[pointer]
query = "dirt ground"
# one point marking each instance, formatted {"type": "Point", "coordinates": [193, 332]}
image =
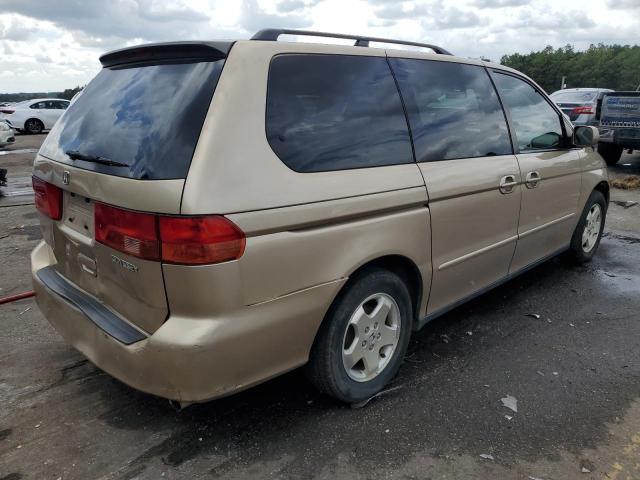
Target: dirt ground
{"type": "Point", "coordinates": [575, 372]}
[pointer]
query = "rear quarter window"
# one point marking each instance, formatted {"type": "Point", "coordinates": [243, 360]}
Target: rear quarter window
{"type": "Point", "coordinates": [335, 112]}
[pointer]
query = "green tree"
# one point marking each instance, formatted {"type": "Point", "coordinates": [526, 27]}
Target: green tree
{"type": "Point", "coordinates": [600, 66]}
{"type": "Point", "coordinates": [70, 92]}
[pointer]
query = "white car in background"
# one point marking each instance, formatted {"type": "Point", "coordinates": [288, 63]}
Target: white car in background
{"type": "Point", "coordinates": [34, 116]}
{"type": "Point", "coordinates": [6, 134]}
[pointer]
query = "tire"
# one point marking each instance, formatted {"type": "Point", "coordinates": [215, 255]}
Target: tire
{"type": "Point", "coordinates": [33, 126]}
{"type": "Point", "coordinates": [352, 328]}
{"type": "Point", "coordinates": [610, 152]}
{"type": "Point", "coordinates": [582, 251]}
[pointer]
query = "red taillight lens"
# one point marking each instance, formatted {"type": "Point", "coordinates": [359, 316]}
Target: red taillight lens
{"type": "Point", "coordinates": [200, 240]}
{"type": "Point", "coordinates": [181, 240]}
{"type": "Point", "coordinates": [48, 198]}
{"type": "Point", "coordinates": [580, 110]}
{"type": "Point", "coordinates": [126, 231]}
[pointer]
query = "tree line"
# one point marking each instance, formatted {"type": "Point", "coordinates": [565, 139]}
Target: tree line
{"type": "Point", "coordinates": [600, 66]}
{"type": "Point", "coordinates": [19, 97]}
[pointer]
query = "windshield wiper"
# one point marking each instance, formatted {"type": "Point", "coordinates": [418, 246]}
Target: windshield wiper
{"type": "Point", "coordinates": [76, 155]}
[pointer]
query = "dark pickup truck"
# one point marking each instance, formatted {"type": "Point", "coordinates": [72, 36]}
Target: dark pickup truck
{"type": "Point", "coordinates": [619, 124]}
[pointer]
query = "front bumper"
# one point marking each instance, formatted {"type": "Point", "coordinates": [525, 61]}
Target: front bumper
{"type": "Point", "coordinates": [194, 359]}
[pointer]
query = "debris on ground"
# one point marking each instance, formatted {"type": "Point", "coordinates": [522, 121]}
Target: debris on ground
{"type": "Point", "coordinates": [625, 204]}
{"type": "Point", "coordinates": [586, 466]}
{"type": "Point", "coordinates": [613, 275]}
{"type": "Point", "coordinates": [508, 417]}
{"type": "Point", "coordinates": [626, 183]}
{"type": "Point", "coordinates": [486, 456]}
{"type": "Point", "coordinates": [379, 394]}
{"type": "Point", "coordinates": [510, 402]}
{"type": "Point", "coordinates": [469, 333]}
{"type": "Point", "coordinates": [533, 315]}
{"type": "Point", "coordinates": [540, 373]}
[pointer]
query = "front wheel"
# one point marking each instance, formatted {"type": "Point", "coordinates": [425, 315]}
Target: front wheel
{"type": "Point", "coordinates": [588, 232]}
{"type": "Point", "coordinates": [363, 338]}
{"type": "Point", "coordinates": [610, 152]}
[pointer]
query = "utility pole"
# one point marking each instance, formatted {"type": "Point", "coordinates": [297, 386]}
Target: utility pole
{"type": "Point", "coordinates": [563, 85]}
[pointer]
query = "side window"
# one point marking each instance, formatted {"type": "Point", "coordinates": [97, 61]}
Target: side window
{"type": "Point", "coordinates": [453, 110]}
{"type": "Point", "coordinates": [537, 125]}
{"type": "Point", "coordinates": [63, 105]}
{"type": "Point", "coordinates": [50, 105]}
{"type": "Point", "coordinates": [37, 106]}
{"type": "Point", "coordinates": [335, 112]}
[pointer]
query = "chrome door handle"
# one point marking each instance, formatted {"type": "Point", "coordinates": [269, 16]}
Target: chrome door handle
{"type": "Point", "coordinates": [532, 179]}
{"type": "Point", "coordinates": [507, 183]}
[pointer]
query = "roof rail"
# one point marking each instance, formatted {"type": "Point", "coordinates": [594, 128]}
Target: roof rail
{"type": "Point", "coordinates": [272, 34]}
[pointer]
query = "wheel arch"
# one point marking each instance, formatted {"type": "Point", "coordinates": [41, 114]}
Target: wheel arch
{"type": "Point", "coordinates": [603, 187]}
{"type": "Point", "coordinates": [400, 265]}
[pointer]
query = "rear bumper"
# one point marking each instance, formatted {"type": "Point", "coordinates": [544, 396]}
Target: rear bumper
{"type": "Point", "coordinates": [193, 359]}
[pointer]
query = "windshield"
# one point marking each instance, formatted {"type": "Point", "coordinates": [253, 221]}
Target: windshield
{"type": "Point", "coordinates": [144, 121]}
{"type": "Point", "coordinates": [574, 97]}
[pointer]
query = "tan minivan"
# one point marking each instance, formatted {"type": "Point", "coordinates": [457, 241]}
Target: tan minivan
{"type": "Point", "coordinates": [218, 213]}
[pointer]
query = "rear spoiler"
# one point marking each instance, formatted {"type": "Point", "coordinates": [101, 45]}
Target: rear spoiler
{"type": "Point", "coordinates": [172, 52]}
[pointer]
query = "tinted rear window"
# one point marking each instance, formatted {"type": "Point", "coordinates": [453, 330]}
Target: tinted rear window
{"type": "Point", "coordinates": [574, 97]}
{"type": "Point", "coordinates": [148, 117]}
{"type": "Point", "coordinates": [453, 110]}
{"type": "Point", "coordinates": [335, 112]}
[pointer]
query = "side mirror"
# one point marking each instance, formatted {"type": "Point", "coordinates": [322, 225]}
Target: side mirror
{"type": "Point", "coordinates": [584, 136]}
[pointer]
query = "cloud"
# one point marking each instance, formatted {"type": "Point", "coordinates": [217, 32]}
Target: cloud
{"type": "Point", "coordinates": [254, 18]}
{"type": "Point", "coordinates": [96, 23]}
{"type": "Point", "coordinates": [500, 3]}
{"type": "Point", "coordinates": [431, 16]}
{"type": "Point", "coordinates": [623, 4]}
{"type": "Point", "coordinates": [15, 29]}
{"type": "Point", "coordinates": [48, 45]}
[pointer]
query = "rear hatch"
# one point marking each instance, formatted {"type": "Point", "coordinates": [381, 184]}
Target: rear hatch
{"type": "Point", "coordinates": [116, 159]}
{"type": "Point", "coordinates": [621, 110]}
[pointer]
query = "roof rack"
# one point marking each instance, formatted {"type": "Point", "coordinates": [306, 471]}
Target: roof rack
{"type": "Point", "coordinates": [272, 34]}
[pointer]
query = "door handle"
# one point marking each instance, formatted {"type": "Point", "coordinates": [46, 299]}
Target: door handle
{"type": "Point", "coordinates": [507, 183]}
{"type": "Point", "coordinates": [532, 179]}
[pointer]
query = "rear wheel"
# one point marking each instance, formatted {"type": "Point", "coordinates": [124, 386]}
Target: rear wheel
{"type": "Point", "coordinates": [610, 152]}
{"type": "Point", "coordinates": [588, 232]}
{"type": "Point", "coordinates": [33, 126]}
{"type": "Point", "coordinates": [364, 337]}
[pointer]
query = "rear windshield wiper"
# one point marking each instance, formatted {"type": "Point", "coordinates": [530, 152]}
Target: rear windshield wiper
{"type": "Point", "coordinates": [76, 155]}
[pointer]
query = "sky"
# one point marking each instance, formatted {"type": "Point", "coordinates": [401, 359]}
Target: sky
{"type": "Point", "coordinates": [50, 45]}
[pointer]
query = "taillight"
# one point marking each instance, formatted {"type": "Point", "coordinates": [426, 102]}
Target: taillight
{"type": "Point", "coordinates": [48, 198]}
{"type": "Point", "coordinates": [126, 231]}
{"type": "Point", "coordinates": [579, 110]}
{"type": "Point", "coordinates": [197, 240]}
{"type": "Point", "coordinates": [200, 240]}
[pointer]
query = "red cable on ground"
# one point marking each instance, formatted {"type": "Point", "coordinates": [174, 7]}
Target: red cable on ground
{"type": "Point", "coordinates": [17, 296]}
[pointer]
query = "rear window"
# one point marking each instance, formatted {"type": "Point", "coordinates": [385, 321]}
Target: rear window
{"type": "Point", "coordinates": [335, 112]}
{"type": "Point", "coordinates": [574, 97]}
{"type": "Point", "coordinates": [147, 117]}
